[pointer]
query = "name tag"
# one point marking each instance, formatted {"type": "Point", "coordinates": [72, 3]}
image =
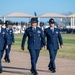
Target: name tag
{"type": "Point", "coordinates": [38, 31]}
{"type": "Point", "coordinates": [3, 33]}
{"type": "Point", "coordinates": [56, 32]}
{"type": "Point", "coordinates": [10, 30]}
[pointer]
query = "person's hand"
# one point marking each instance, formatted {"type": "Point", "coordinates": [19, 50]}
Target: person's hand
{"type": "Point", "coordinates": [6, 46]}
{"type": "Point", "coordinates": [45, 47]}
{"type": "Point", "coordinates": [12, 43]}
{"type": "Point", "coordinates": [22, 48]}
{"type": "Point", "coordinates": [61, 46]}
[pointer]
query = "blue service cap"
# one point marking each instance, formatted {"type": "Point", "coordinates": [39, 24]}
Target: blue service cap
{"type": "Point", "coordinates": [34, 20]}
{"type": "Point", "coordinates": [51, 20]}
{"type": "Point", "coordinates": [8, 23]}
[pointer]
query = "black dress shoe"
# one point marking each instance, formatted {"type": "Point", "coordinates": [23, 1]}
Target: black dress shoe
{"type": "Point", "coordinates": [5, 60]}
{"type": "Point", "coordinates": [8, 61]}
{"type": "Point", "coordinates": [50, 69]}
{"type": "Point", "coordinates": [35, 73]}
{"type": "Point", "coordinates": [32, 71]}
{"type": "Point", "coordinates": [53, 71]}
{"type": "Point", "coordinates": [0, 71]}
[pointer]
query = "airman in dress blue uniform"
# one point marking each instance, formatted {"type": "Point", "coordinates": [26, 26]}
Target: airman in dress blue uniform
{"type": "Point", "coordinates": [3, 43]}
{"type": "Point", "coordinates": [10, 35]}
{"type": "Point", "coordinates": [53, 36]}
{"type": "Point", "coordinates": [35, 36]}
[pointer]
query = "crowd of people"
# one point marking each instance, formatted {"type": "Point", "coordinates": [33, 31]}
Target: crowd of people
{"type": "Point", "coordinates": [20, 27]}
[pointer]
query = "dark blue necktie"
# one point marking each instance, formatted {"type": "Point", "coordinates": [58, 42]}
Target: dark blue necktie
{"type": "Point", "coordinates": [34, 29]}
{"type": "Point", "coordinates": [52, 30]}
{"type": "Point", "coordinates": [7, 29]}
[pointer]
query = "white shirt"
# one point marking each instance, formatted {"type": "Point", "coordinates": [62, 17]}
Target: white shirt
{"type": "Point", "coordinates": [7, 29]}
{"type": "Point", "coordinates": [34, 28]}
{"type": "Point", "coordinates": [52, 28]}
{"type": "Point", "coordinates": [0, 30]}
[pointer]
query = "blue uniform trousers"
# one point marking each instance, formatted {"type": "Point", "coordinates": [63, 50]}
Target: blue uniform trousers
{"type": "Point", "coordinates": [52, 54]}
{"type": "Point", "coordinates": [1, 53]}
{"type": "Point", "coordinates": [7, 56]}
{"type": "Point", "coordinates": [34, 54]}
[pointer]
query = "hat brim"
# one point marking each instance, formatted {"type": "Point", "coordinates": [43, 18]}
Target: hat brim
{"type": "Point", "coordinates": [1, 23]}
{"type": "Point", "coordinates": [51, 22]}
{"type": "Point", "coordinates": [8, 24]}
{"type": "Point", "coordinates": [33, 22]}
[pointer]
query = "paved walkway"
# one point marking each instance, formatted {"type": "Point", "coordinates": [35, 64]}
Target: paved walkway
{"type": "Point", "coordinates": [20, 65]}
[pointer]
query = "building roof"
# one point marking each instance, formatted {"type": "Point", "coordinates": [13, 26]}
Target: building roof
{"type": "Point", "coordinates": [18, 15]}
{"type": "Point", "coordinates": [52, 15]}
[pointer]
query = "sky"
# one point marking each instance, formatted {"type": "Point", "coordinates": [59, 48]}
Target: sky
{"type": "Point", "coordinates": [38, 6]}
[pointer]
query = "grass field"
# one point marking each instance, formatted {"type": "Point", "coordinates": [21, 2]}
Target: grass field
{"type": "Point", "coordinates": [68, 51]}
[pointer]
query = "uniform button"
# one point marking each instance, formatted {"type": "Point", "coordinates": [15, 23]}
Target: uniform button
{"type": "Point", "coordinates": [34, 40]}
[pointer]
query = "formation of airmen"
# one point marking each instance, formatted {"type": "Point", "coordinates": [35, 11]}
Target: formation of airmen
{"type": "Point", "coordinates": [50, 39]}
{"type": "Point", "coordinates": [36, 40]}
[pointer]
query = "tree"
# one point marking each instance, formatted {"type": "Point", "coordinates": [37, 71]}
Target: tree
{"type": "Point", "coordinates": [67, 20]}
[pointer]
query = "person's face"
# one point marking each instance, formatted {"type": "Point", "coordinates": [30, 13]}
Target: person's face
{"type": "Point", "coordinates": [0, 25]}
{"type": "Point", "coordinates": [51, 24]}
{"type": "Point", "coordinates": [8, 26]}
{"type": "Point", "coordinates": [33, 24]}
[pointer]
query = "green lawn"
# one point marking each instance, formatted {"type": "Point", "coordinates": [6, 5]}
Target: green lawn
{"type": "Point", "coordinates": [68, 51]}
